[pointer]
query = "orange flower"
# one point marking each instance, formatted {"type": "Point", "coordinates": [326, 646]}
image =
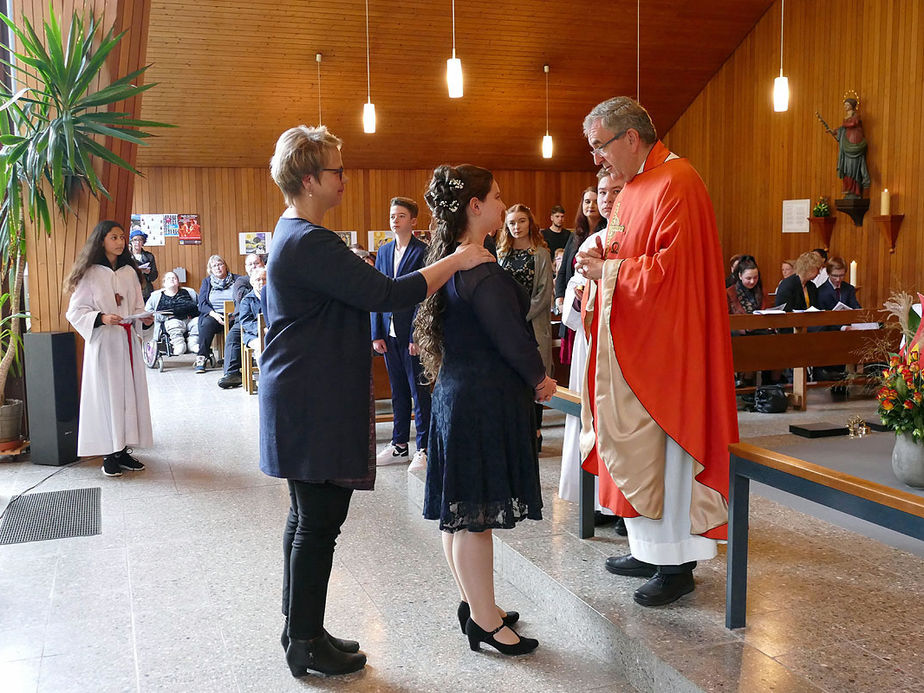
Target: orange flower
{"type": "Point", "coordinates": [887, 404]}
{"type": "Point", "coordinates": [918, 397]}
{"type": "Point", "coordinates": [893, 361]}
{"type": "Point", "coordinates": [909, 404]}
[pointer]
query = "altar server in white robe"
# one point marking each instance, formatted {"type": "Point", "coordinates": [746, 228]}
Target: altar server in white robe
{"type": "Point", "coordinates": [114, 410]}
{"type": "Point", "coordinates": [569, 486]}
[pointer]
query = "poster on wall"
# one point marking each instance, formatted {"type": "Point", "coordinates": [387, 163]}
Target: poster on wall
{"type": "Point", "coordinates": [377, 238]}
{"type": "Point", "coordinates": [795, 215]}
{"type": "Point", "coordinates": [254, 242]}
{"type": "Point", "coordinates": [171, 228]}
{"type": "Point", "coordinates": [188, 229]}
{"type": "Point", "coordinates": [423, 234]}
{"type": "Point", "coordinates": [152, 225]}
{"type": "Point", "coordinates": [348, 237]}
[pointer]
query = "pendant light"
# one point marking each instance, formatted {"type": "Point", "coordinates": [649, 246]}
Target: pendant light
{"type": "Point", "coordinates": [781, 84]}
{"type": "Point", "coordinates": [547, 139]}
{"type": "Point", "coordinates": [317, 58]}
{"type": "Point", "coordinates": [454, 65]}
{"type": "Point", "coordinates": [369, 107]}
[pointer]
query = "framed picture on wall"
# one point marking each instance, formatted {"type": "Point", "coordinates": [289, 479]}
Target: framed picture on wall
{"type": "Point", "coordinates": [152, 225]}
{"type": "Point", "coordinates": [254, 242]}
{"type": "Point", "coordinates": [348, 237]}
{"type": "Point", "coordinates": [377, 238]}
{"type": "Point", "coordinates": [171, 228]}
{"type": "Point", "coordinates": [188, 229]}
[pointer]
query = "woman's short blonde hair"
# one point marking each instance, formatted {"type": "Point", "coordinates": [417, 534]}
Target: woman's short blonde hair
{"type": "Point", "coordinates": [299, 153]}
{"type": "Point", "coordinates": [808, 261]}
{"type": "Point", "coordinates": [213, 258]}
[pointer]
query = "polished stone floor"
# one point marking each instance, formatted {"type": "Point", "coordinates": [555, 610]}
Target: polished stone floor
{"type": "Point", "coordinates": [181, 590]}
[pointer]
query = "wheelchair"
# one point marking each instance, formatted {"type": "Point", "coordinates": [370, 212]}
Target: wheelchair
{"type": "Point", "coordinates": [158, 348]}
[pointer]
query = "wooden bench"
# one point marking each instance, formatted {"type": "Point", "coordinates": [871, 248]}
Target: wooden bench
{"type": "Point", "coordinates": [801, 349]}
{"type": "Point", "coordinates": [884, 506]}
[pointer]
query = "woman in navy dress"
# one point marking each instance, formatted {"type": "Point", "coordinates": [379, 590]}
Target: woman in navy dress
{"type": "Point", "coordinates": [315, 381]}
{"type": "Point", "coordinates": [482, 471]}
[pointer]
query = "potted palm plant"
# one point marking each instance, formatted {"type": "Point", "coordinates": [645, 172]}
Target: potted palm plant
{"type": "Point", "coordinates": [53, 128]}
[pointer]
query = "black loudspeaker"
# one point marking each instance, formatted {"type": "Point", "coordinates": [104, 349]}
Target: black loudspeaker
{"type": "Point", "coordinates": [51, 393]}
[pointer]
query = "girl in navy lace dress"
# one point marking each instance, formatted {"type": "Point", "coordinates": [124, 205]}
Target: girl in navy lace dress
{"type": "Point", "coordinates": [475, 343]}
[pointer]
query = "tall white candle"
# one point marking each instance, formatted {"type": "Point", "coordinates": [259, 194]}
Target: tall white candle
{"type": "Point", "coordinates": [853, 272]}
{"type": "Point", "coordinates": [885, 207]}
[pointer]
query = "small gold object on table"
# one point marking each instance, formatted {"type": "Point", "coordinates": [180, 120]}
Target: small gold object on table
{"type": "Point", "coordinates": [857, 427]}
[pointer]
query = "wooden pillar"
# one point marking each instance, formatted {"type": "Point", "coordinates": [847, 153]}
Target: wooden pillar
{"type": "Point", "coordinates": [51, 256]}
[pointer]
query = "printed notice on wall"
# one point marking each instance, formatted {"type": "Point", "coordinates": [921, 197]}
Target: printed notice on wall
{"type": "Point", "coordinates": [795, 215]}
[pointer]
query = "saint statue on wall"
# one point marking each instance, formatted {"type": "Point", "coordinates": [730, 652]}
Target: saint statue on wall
{"type": "Point", "coordinates": [851, 153]}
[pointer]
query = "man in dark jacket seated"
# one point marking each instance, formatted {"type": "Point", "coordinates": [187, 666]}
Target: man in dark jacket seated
{"type": "Point", "coordinates": [836, 290]}
{"type": "Point", "coordinates": [242, 286]}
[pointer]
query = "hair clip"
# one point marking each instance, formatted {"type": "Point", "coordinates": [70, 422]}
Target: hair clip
{"type": "Point", "coordinates": [456, 183]}
{"type": "Point", "coordinates": [451, 205]}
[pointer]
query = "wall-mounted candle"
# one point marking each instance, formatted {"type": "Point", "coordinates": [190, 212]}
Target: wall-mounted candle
{"type": "Point", "coordinates": [885, 207]}
{"type": "Point", "coordinates": [853, 272]}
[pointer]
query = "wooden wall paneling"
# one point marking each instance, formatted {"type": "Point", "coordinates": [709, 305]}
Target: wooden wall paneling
{"type": "Point", "coordinates": [233, 200]}
{"type": "Point", "coordinates": [752, 158]}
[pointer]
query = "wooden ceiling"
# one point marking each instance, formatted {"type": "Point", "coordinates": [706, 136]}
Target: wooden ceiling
{"type": "Point", "coordinates": [234, 75]}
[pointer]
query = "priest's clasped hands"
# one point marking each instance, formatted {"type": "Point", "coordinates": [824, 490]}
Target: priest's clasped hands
{"type": "Point", "coordinates": [589, 263]}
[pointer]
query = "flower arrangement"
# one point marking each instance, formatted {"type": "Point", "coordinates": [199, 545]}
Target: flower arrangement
{"type": "Point", "coordinates": [821, 208]}
{"type": "Point", "coordinates": [901, 397]}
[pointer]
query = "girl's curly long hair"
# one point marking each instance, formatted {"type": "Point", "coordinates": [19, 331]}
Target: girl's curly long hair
{"type": "Point", "coordinates": [505, 238]}
{"type": "Point", "coordinates": [448, 194]}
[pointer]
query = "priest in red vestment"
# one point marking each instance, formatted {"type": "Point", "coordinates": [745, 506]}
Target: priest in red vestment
{"type": "Point", "coordinates": [658, 405]}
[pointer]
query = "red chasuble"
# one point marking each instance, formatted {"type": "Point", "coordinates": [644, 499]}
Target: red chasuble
{"type": "Point", "coordinates": [670, 336]}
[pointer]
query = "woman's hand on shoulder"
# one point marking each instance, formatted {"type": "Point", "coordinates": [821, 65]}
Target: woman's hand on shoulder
{"type": "Point", "coordinates": [546, 389]}
{"type": "Point", "coordinates": [470, 255]}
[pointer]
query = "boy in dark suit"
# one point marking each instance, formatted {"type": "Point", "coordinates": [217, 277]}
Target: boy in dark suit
{"type": "Point", "coordinates": [392, 336]}
{"type": "Point", "coordinates": [835, 290]}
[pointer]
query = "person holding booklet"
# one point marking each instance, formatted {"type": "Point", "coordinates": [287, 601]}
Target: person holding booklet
{"type": "Point", "coordinates": [835, 290]}
{"type": "Point", "coordinates": [106, 295]}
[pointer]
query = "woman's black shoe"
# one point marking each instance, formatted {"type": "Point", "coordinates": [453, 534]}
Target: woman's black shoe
{"type": "Point", "coordinates": [465, 613]}
{"type": "Point", "coordinates": [319, 654]}
{"type": "Point", "coordinates": [476, 636]}
{"type": "Point", "coordinates": [339, 643]}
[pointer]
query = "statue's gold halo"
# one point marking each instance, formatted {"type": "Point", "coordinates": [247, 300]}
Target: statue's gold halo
{"type": "Point", "coordinates": [851, 94]}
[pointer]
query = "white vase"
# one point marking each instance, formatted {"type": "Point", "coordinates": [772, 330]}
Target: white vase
{"type": "Point", "coordinates": [908, 460]}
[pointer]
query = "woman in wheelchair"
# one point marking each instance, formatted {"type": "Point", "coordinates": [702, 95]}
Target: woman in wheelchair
{"type": "Point", "coordinates": [176, 325]}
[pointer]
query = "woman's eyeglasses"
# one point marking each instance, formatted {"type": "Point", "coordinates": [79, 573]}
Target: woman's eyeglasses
{"type": "Point", "coordinates": [338, 171]}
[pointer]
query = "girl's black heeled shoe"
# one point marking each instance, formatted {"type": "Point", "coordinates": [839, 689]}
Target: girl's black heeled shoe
{"type": "Point", "coordinates": [339, 643]}
{"type": "Point", "coordinates": [465, 613]}
{"type": "Point", "coordinates": [476, 636]}
{"type": "Point", "coordinates": [319, 654]}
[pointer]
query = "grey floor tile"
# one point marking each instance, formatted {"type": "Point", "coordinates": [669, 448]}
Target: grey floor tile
{"type": "Point", "coordinates": [21, 675]}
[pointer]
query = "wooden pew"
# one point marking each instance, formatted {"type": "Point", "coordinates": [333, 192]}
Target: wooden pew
{"type": "Point", "coordinates": [801, 348]}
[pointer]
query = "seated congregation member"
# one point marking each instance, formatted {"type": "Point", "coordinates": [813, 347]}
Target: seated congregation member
{"type": "Point", "coordinates": [732, 275]}
{"type": "Point", "coordinates": [746, 294]}
{"type": "Point", "coordinates": [242, 286]}
{"type": "Point", "coordinates": [798, 292]}
{"type": "Point", "coordinates": [556, 235]}
{"type": "Point", "coordinates": [217, 287]}
{"type": "Point", "coordinates": [250, 309]}
{"type": "Point", "coordinates": [787, 267]}
{"type": "Point", "coordinates": [836, 290]}
{"type": "Point", "coordinates": [483, 471]}
{"type": "Point", "coordinates": [392, 336]}
{"type": "Point", "coordinates": [586, 222]}
{"type": "Point", "coordinates": [145, 261]}
{"type": "Point", "coordinates": [181, 314]}
{"type": "Point", "coordinates": [822, 270]}
{"type": "Point", "coordinates": [314, 381]}
{"type": "Point", "coordinates": [521, 251]}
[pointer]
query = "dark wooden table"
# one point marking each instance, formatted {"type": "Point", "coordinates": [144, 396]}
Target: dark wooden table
{"type": "Point", "coordinates": [894, 508]}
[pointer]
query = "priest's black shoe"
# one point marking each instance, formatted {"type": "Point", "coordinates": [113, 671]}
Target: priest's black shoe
{"type": "Point", "coordinates": [664, 588]}
{"type": "Point", "coordinates": [340, 643]}
{"type": "Point", "coordinates": [319, 654]}
{"type": "Point", "coordinates": [476, 636]}
{"type": "Point", "coordinates": [465, 612]}
{"type": "Point", "coordinates": [632, 567]}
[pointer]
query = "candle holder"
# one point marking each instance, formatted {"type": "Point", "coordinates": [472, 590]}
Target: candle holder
{"type": "Point", "coordinates": [857, 427]}
{"type": "Point", "coordinates": [890, 225]}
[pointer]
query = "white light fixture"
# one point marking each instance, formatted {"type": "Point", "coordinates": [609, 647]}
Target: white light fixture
{"type": "Point", "coordinates": [781, 84]}
{"type": "Point", "coordinates": [317, 58]}
{"type": "Point", "coordinates": [547, 138]}
{"type": "Point", "coordinates": [369, 108]}
{"type": "Point", "coordinates": [453, 64]}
